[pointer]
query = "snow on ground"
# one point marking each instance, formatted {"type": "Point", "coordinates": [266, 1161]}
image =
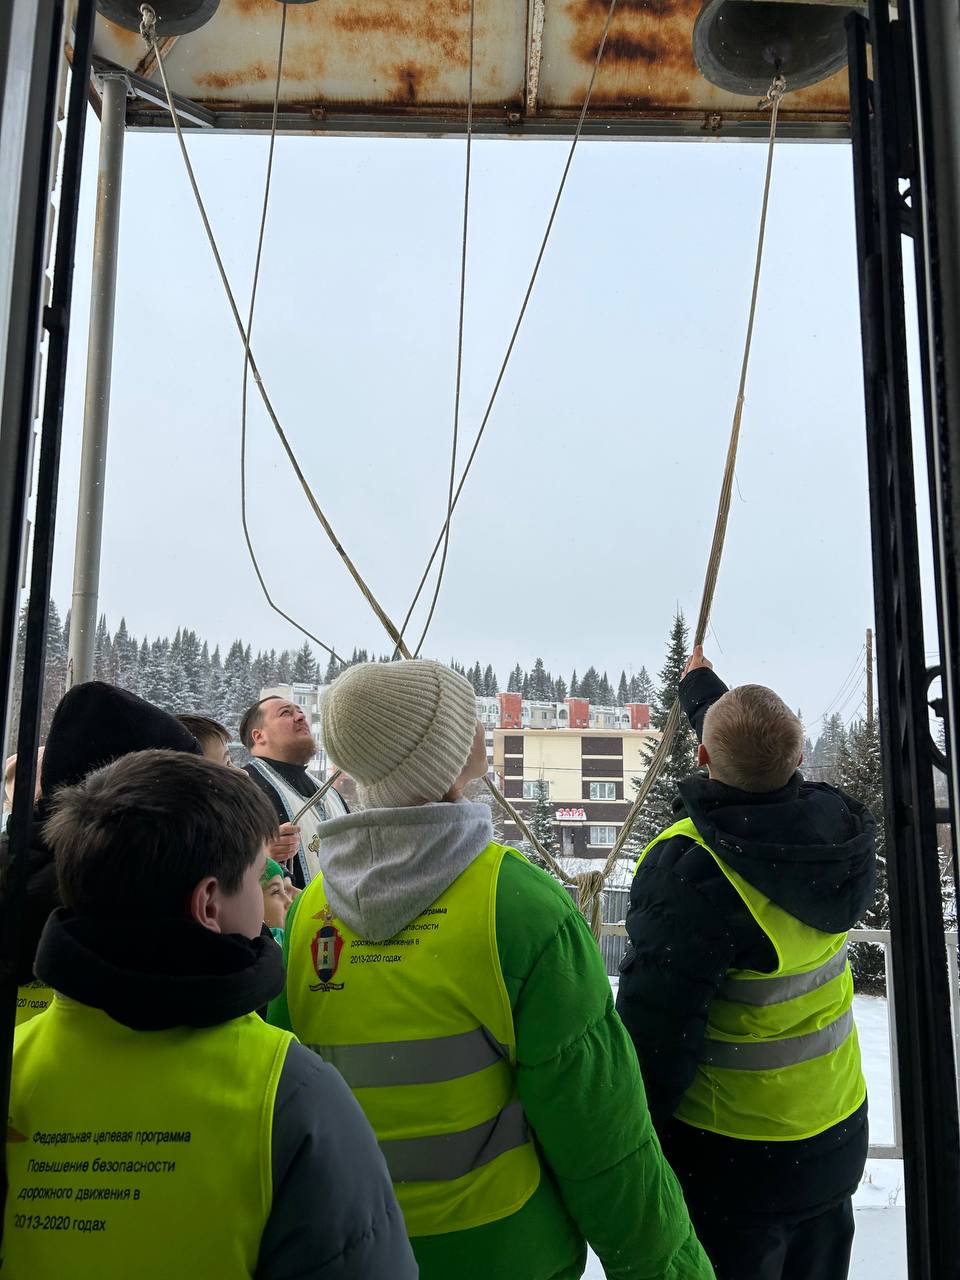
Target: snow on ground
{"type": "Point", "coordinates": [879, 1248]}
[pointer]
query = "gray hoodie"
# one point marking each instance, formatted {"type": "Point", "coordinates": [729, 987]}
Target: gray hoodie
{"type": "Point", "coordinates": [382, 867]}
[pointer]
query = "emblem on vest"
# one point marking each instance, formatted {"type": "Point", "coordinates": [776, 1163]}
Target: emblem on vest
{"type": "Point", "coordinates": [325, 952]}
{"type": "Point", "coordinates": [314, 845]}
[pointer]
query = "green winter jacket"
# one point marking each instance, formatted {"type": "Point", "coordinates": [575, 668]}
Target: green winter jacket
{"type": "Point", "coordinates": [605, 1180]}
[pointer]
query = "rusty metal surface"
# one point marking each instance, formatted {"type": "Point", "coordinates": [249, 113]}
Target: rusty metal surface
{"type": "Point", "coordinates": [381, 63]}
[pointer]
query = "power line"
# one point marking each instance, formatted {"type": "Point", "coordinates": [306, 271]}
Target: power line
{"type": "Point", "coordinates": [844, 685]}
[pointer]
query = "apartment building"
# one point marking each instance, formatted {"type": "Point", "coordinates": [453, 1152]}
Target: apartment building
{"type": "Point", "coordinates": [588, 773]}
{"type": "Point", "coordinates": [587, 756]}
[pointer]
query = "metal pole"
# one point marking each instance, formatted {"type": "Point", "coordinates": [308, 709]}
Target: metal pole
{"type": "Point", "coordinates": [869, 678]}
{"type": "Point", "coordinates": [96, 404]}
{"type": "Point", "coordinates": [934, 31]}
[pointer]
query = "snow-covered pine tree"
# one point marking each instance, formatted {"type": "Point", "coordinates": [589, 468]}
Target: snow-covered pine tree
{"type": "Point", "coordinates": [305, 665]}
{"type": "Point", "coordinates": [260, 672]}
{"type": "Point", "coordinates": [525, 686]}
{"type": "Point", "coordinates": [285, 667]}
{"type": "Point", "coordinates": [143, 665]}
{"type": "Point", "coordinates": [102, 651]}
{"type": "Point", "coordinates": [194, 676]}
{"type": "Point", "coordinates": [574, 690]}
{"type": "Point", "coordinates": [541, 685]}
{"type": "Point", "coordinates": [238, 693]}
{"type": "Point", "coordinates": [605, 694]}
{"type": "Point", "coordinates": [515, 682]}
{"type": "Point", "coordinates": [156, 680]}
{"type": "Point", "coordinates": [644, 686]}
{"type": "Point", "coordinates": [590, 685]}
{"type": "Point", "coordinates": [126, 656]}
{"type": "Point", "coordinates": [490, 686]}
{"type": "Point", "coordinates": [657, 812]}
{"type": "Point", "coordinates": [332, 671]}
{"type": "Point", "coordinates": [54, 668]}
{"type": "Point", "coordinates": [541, 824]}
{"type": "Point", "coordinates": [215, 690]}
{"type": "Point", "coordinates": [559, 689]}
{"type": "Point", "coordinates": [826, 752]}
{"type": "Point", "coordinates": [178, 695]}
{"type": "Point", "coordinates": [859, 771]}
{"type": "Point", "coordinates": [623, 690]}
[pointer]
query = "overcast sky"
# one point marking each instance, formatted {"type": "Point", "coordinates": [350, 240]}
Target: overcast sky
{"type": "Point", "coordinates": [587, 517]}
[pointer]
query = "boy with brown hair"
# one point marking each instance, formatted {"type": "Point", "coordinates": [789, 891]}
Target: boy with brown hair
{"type": "Point", "coordinates": [737, 991]}
{"type": "Point", "coordinates": [156, 1123]}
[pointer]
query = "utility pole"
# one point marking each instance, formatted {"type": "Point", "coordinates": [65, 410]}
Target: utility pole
{"type": "Point", "coordinates": [869, 678]}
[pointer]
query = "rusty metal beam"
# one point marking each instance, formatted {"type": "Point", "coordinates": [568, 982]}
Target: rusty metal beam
{"type": "Point", "coordinates": [327, 122]}
{"type": "Point", "coordinates": [148, 63]}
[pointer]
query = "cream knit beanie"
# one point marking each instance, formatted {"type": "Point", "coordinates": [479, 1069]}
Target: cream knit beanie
{"type": "Point", "coordinates": [402, 730]}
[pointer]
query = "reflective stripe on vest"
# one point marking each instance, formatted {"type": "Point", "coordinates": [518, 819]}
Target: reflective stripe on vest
{"type": "Point", "coordinates": [769, 1055]}
{"type": "Point", "coordinates": [761, 991]}
{"type": "Point", "coordinates": [374, 1066]}
{"type": "Point", "coordinates": [421, 1028]}
{"type": "Point", "coordinates": [780, 1059]}
{"type": "Point", "coordinates": [146, 1153]}
{"type": "Point", "coordinates": [447, 1156]}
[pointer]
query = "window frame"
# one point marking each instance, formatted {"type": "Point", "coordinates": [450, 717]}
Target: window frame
{"type": "Point", "coordinates": [533, 784]}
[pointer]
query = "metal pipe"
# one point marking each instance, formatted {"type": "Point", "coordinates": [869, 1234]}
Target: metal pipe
{"type": "Point", "coordinates": [96, 404]}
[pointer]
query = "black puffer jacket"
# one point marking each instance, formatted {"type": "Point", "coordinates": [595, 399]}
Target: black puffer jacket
{"type": "Point", "coordinates": [809, 848]}
{"type": "Point", "coordinates": [334, 1215]}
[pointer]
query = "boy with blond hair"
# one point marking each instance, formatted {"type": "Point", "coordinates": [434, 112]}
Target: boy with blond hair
{"type": "Point", "coordinates": [737, 991]}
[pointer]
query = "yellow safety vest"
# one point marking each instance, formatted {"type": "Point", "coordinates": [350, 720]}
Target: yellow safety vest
{"type": "Point", "coordinates": [32, 998]}
{"type": "Point", "coordinates": [420, 1027]}
{"type": "Point", "coordinates": [781, 1059]}
{"type": "Point", "coordinates": [139, 1153]}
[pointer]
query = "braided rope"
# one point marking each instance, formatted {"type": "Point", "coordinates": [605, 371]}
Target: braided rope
{"type": "Point", "coordinates": [773, 98]}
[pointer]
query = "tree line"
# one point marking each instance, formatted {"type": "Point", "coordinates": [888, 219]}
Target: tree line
{"type": "Point", "coordinates": [539, 685]}
{"type": "Point", "coordinates": [183, 673]}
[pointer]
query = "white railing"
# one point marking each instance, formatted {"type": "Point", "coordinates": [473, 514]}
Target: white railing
{"type": "Point", "coordinates": [894, 1150]}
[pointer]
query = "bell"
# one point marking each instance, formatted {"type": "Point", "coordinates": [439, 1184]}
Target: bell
{"type": "Point", "coordinates": [174, 17]}
{"type": "Point", "coordinates": [740, 45]}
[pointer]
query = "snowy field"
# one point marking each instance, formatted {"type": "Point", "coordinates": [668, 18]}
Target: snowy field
{"type": "Point", "coordinates": [879, 1249]}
